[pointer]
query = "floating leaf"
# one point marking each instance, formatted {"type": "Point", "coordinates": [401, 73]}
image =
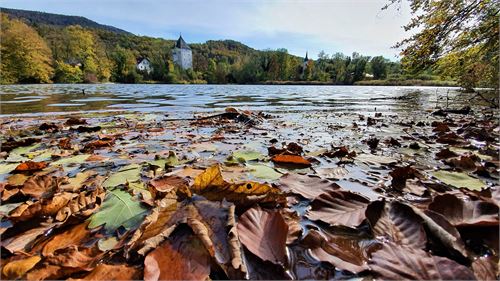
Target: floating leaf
{"type": "Point", "coordinates": [77, 159]}
{"type": "Point", "coordinates": [247, 155]}
{"type": "Point", "coordinates": [126, 174]}
{"type": "Point", "coordinates": [118, 209]}
{"type": "Point", "coordinates": [332, 173]}
{"type": "Point", "coordinates": [295, 160]}
{"type": "Point", "coordinates": [263, 172]}
{"type": "Point", "coordinates": [264, 234]}
{"type": "Point", "coordinates": [459, 180]}
{"type": "Point", "coordinates": [30, 166]}
{"type": "Point", "coordinates": [375, 159]}
{"type": "Point", "coordinates": [212, 185]}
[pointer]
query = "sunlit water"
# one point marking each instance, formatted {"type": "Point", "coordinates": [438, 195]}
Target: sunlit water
{"type": "Point", "coordinates": [183, 99]}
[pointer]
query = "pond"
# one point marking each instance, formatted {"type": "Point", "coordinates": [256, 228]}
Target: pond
{"type": "Point", "coordinates": [33, 99]}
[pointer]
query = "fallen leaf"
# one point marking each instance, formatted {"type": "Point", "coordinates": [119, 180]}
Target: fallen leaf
{"type": "Point", "coordinates": [337, 207]}
{"type": "Point", "coordinates": [309, 187]}
{"type": "Point", "coordinates": [263, 172]}
{"type": "Point", "coordinates": [395, 262]}
{"type": "Point", "coordinates": [397, 222]}
{"type": "Point", "coordinates": [126, 174]}
{"type": "Point", "coordinates": [30, 166]}
{"type": "Point", "coordinates": [333, 173]}
{"type": "Point", "coordinates": [465, 213]}
{"type": "Point", "coordinates": [264, 234]}
{"type": "Point", "coordinates": [485, 268]}
{"type": "Point", "coordinates": [75, 257]}
{"type": "Point", "coordinates": [169, 184]}
{"type": "Point", "coordinates": [212, 185]}
{"type": "Point", "coordinates": [295, 160]}
{"type": "Point", "coordinates": [113, 272]}
{"type": "Point", "coordinates": [40, 186]}
{"type": "Point", "coordinates": [182, 257]}
{"type": "Point", "coordinates": [16, 269]}
{"type": "Point", "coordinates": [342, 252]}
{"type": "Point", "coordinates": [118, 209]}
{"type": "Point", "coordinates": [68, 238]}
{"type": "Point", "coordinates": [459, 180]}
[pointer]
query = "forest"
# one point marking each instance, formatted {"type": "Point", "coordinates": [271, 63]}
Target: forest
{"type": "Point", "coordinates": [46, 51]}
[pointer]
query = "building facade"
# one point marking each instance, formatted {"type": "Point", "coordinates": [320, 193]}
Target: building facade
{"type": "Point", "coordinates": [144, 65]}
{"type": "Point", "coordinates": [182, 54]}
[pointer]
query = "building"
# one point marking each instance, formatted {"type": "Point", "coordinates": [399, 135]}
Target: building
{"type": "Point", "coordinates": [144, 64]}
{"type": "Point", "coordinates": [182, 54]}
{"type": "Point", "coordinates": [304, 66]}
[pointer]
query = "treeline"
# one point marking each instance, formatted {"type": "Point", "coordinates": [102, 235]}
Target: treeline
{"type": "Point", "coordinates": [72, 54]}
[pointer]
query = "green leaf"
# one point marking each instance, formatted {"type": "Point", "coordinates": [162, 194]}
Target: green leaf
{"type": "Point", "coordinates": [263, 172]}
{"type": "Point", "coordinates": [118, 209]}
{"type": "Point", "coordinates": [7, 167]}
{"type": "Point", "coordinates": [77, 159]}
{"type": "Point", "coordinates": [25, 149]}
{"type": "Point", "coordinates": [459, 180]}
{"type": "Point", "coordinates": [126, 174]}
{"type": "Point", "coordinates": [247, 155]}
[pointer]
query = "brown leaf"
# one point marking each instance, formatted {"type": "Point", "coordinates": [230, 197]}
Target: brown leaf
{"type": "Point", "coordinates": [75, 121]}
{"type": "Point", "coordinates": [97, 144]}
{"type": "Point", "coordinates": [75, 257]}
{"type": "Point", "coordinates": [22, 241]}
{"type": "Point", "coordinates": [396, 262]}
{"type": "Point", "coordinates": [486, 268]}
{"type": "Point", "coordinates": [264, 234]}
{"type": "Point", "coordinates": [41, 186]}
{"type": "Point", "coordinates": [464, 213]}
{"type": "Point", "coordinates": [445, 154]}
{"type": "Point", "coordinates": [113, 272]}
{"type": "Point", "coordinates": [30, 166]}
{"type": "Point", "coordinates": [16, 269]}
{"type": "Point", "coordinates": [49, 272]}
{"type": "Point", "coordinates": [42, 208]}
{"type": "Point", "coordinates": [342, 252]}
{"type": "Point", "coordinates": [398, 222]}
{"type": "Point", "coordinates": [401, 174]}
{"type": "Point", "coordinates": [84, 204]}
{"type": "Point", "coordinates": [66, 239]}
{"type": "Point", "coordinates": [11, 144]}
{"type": "Point", "coordinates": [169, 184]}
{"type": "Point", "coordinates": [309, 187]}
{"type": "Point", "coordinates": [182, 257]}
{"type": "Point", "coordinates": [296, 160]}
{"type": "Point", "coordinates": [337, 207]}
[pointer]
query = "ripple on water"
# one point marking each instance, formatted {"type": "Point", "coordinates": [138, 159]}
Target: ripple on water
{"type": "Point", "coordinates": [65, 104]}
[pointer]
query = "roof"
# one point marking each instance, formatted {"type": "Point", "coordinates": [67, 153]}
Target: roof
{"type": "Point", "coordinates": [306, 59]}
{"type": "Point", "coordinates": [139, 60]}
{"type": "Point", "coordinates": [181, 44]}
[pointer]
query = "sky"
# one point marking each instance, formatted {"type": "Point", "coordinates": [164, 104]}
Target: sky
{"type": "Point", "coordinates": [299, 26]}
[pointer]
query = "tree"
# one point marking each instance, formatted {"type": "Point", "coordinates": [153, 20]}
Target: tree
{"type": "Point", "coordinates": [25, 56]}
{"type": "Point", "coordinates": [451, 27]}
{"type": "Point", "coordinates": [65, 73]}
{"type": "Point", "coordinates": [379, 67]}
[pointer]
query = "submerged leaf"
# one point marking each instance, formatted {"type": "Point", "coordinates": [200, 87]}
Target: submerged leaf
{"type": "Point", "coordinates": [263, 172]}
{"type": "Point", "coordinates": [309, 187]}
{"type": "Point", "coordinates": [126, 174]}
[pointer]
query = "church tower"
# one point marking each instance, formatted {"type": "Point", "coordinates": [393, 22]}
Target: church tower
{"type": "Point", "coordinates": [182, 54]}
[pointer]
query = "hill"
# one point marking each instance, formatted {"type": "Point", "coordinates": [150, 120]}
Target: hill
{"type": "Point", "coordinates": [37, 18]}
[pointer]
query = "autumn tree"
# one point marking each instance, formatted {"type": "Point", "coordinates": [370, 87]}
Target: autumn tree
{"type": "Point", "coordinates": [25, 56]}
{"type": "Point", "coordinates": [456, 28]}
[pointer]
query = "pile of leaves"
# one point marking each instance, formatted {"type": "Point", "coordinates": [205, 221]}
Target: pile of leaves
{"type": "Point", "coordinates": [241, 195]}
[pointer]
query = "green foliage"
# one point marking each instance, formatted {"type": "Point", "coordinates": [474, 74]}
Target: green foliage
{"type": "Point", "coordinates": [379, 67]}
{"type": "Point", "coordinates": [65, 73]}
{"type": "Point", "coordinates": [459, 37]}
{"type": "Point", "coordinates": [25, 56]}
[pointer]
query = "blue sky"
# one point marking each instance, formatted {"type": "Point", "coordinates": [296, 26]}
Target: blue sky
{"type": "Point", "coordinates": [297, 25]}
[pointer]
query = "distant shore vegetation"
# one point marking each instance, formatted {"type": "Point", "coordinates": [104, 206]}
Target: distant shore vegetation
{"type": "Point", "coordinates": [36, 52]}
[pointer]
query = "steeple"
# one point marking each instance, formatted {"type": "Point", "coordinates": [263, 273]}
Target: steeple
{"type": "Point", "coordinates": [181, 44]}
{"type": "Point", "coordinates": [306, 59]}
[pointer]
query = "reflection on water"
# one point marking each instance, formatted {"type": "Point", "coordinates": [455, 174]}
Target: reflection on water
{"type": "Point", "coordinates": [19, 99]}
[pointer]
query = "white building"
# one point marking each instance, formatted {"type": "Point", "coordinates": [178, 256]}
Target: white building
{"type": "Point", "coordinates": [182, 54]}
{"type": "Point", "coordinates": [144, 65]}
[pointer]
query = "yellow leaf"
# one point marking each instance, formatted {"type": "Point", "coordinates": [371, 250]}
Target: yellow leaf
{"type": "Point", "coordinates": [212, 185]}
{"type": "Point", "coordinates": [18, 268]}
